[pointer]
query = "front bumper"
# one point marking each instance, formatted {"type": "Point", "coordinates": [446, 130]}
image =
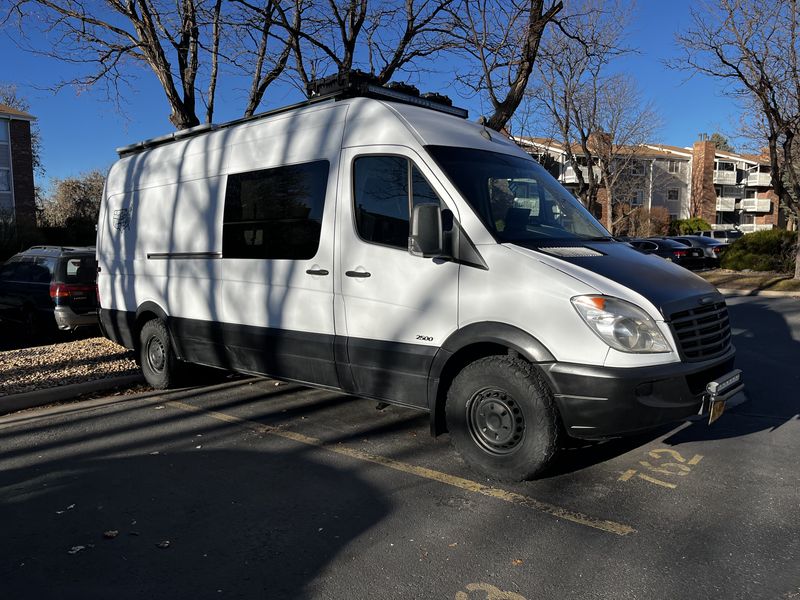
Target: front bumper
{"type": "Point", "coordinates": [68, 320]}
{"type": "Point", "coordinates": [602, 402]}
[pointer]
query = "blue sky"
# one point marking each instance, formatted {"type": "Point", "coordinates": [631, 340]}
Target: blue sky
{"type": "Point", "coordinates": [81, 130]}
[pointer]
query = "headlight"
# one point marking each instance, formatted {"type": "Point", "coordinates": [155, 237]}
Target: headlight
{"type": "Point", "coordinates": [620, 324]}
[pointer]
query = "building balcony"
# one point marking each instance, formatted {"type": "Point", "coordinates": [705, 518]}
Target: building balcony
{"type": "Point", "coordinates": [751, 227]}
{"type": "Point", "coordinates": [759, 179]}
{"type": "Point", "coordinates": [725, 177]}
{"type": "Point", "coordinates": [569, 176]}
{"type": "Point", "coordinates": [726, 204]}
{"type": "Point", "coordinates": [758, 205]}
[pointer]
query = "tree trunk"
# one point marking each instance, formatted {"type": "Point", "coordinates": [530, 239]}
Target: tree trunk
{"type": "Point", "coordinates": [797, 258]}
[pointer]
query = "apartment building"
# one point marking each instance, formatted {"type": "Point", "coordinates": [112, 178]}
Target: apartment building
{"type": "Point", "coordinates": [17, 200]}
{"type": "Point", "coordinates": [727, 189]}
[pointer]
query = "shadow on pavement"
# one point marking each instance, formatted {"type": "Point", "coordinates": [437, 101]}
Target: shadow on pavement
{"type": "Point", "coordinates": [769, 357]}
{"type": "Point", "coordinates": [239, 525]}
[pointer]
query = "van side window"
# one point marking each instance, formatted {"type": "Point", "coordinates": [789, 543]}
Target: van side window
{"type": "Point", "coordinates": [382, 199]}
{"type": "Point", "coordinates": [275, 213]}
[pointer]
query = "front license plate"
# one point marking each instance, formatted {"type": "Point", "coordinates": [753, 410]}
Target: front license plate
{"type": "Point", "coordinates": [718, 392]}
{"type": "Point", "coordinates": [717, 408]}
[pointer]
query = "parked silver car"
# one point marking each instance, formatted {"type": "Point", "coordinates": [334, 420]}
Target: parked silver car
{"type": "Point", "coordinates": [712, 248]}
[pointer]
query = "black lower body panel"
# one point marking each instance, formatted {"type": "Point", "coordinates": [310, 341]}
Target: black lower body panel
{"type": "Point", "coordinates": [600, 402]}
{"type": "Point", "coordinates": [389, 371]}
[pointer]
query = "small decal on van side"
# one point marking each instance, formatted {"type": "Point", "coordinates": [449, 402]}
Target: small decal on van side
{"type": "Point", "coordinates": [122, 219]}
{"type": "Point", "coordinates": [425, 338]}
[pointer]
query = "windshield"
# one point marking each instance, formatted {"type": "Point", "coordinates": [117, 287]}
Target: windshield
{"type": "Point", "coordinates": [517, 200]}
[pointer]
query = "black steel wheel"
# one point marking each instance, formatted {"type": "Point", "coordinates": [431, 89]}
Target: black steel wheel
{"type": "Point", "coordinates": [157, 356]}
{"type": "Point", "coordinates": [495, 421]}
{"type": "Point", "coordinates": [502, 418]}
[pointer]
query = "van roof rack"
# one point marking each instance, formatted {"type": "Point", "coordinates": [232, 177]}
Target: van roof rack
{"type": "Point", "coordinates": [349, 84]}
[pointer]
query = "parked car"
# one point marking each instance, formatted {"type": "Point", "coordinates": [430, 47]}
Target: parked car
{"type": "Point", "coordinates": [680, 254]}
{"type": "Point", "coordinates": [726, 236]}
{"type": "Point", "coordinates": [712, 248]}
{"type": "Point", "coordinates": [47, 286]}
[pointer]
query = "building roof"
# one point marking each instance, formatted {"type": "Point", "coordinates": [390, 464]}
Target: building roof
{"type": "Point", "coordinates": [13, 113]}
{"type": "Point", "coordinates": [644, 150]}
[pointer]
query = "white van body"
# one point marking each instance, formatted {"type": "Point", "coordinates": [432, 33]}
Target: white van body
{"type": "Point", "coordinates": [366, 316]}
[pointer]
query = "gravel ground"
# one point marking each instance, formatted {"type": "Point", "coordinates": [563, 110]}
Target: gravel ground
{"type": "Point", "coordinates": [61, 364]}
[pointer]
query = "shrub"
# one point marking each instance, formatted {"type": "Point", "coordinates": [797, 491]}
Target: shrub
{"type": "Point", "coordinates": [688, 226]}
{"type": "Point", "coordinates": [772, 250]}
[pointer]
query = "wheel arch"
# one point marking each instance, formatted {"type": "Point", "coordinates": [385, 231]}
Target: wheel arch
{"type": "Point", "coordinates": [146, 312]}
{"type": "Point", "coordinates": [469, 344]}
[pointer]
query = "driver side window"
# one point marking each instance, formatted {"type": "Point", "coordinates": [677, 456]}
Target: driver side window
{"type": "Point", "coordinates": [385, 190]}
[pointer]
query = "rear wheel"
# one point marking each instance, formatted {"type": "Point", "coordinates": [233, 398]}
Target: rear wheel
{"type": "Point", "coordinates": [157, 356]}
{"type": "Point", "coordinates": [502, 419]}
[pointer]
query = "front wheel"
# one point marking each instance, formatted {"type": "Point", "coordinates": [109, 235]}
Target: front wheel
{"type": "Point", "coordinates": [502, 419]}
{"type": "Point", "coordinates": [157, 355]}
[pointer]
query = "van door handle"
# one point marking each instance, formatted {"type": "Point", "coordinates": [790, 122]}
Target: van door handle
{"type": "Point", "coordinates": [357, 274]}
{"type": "Point", "coordinates": [317, 271]}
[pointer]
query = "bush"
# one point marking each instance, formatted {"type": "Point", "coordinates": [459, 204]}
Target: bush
{"type": "Point", "coordinates": [688, 226]}
{"type": "Point", "coordinates": [772, 250]}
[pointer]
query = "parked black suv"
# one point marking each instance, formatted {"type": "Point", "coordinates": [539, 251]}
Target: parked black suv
{"type": "Point", "coordinates": [50, 285]}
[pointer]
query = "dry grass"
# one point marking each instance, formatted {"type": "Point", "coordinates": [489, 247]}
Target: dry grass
{"type": "Point", "coordinates": [753, 280]}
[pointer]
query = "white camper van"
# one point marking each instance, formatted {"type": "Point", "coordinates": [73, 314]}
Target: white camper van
{"type": "Point", "coordinates": [376, 242]}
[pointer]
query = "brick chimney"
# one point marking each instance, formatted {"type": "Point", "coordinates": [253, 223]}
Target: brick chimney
{"type": "Point", "coordinates": [704, 197]}
{"type": "Point", "coordinates": [24, 191]}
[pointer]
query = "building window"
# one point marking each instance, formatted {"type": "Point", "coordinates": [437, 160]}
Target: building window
{"type": "Point", "coordinates": [724, 166]}
{"type": "Point", "coordinates": [382, 200]}
{"type": "Point", "coordinates": [5, 158]}
{"type": "Point", "coordinates": [673, 195]}
{"type": "Point", "coordinates": [673, 166]}
{"type": "Point", "coordinates": [275, 213]}
{"type": "Point", "coordinates": [636, 167]}
{"type": "Point", "coordinates": [637, 199]}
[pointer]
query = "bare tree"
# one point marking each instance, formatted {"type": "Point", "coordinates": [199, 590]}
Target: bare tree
{"type": "Point", "coordinates": [109, 37]}
{"type": "Point", "coordinates": [753, 47]}
{"type": "Point", "coordinates": [501, 39]}
{"type": "Point", "coordinates": [382, 38]}
{"type": "Point", "coordinates": [260, 46]}
{"type": "Point", "coordinates": [601, 119]}
{"type": "Point", "coordinates": [640, 221]}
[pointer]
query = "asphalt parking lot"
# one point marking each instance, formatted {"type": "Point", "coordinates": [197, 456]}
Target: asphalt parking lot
{"type": "Point", "coordinates": [254, 489]}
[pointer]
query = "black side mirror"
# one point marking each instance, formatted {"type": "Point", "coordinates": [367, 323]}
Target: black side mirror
{"type": "Point", "coordinates": [426, 231]}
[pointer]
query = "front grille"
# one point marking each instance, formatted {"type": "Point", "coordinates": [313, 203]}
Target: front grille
{"type": "Point", "coordinates": [703, 332]}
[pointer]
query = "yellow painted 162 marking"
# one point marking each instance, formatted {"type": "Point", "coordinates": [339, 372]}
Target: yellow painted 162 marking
{"type": "Point", "coordinates": [670, 466]}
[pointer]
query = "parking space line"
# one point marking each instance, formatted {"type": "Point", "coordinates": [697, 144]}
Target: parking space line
{"type": "Point", "coordinates": [451, 480]}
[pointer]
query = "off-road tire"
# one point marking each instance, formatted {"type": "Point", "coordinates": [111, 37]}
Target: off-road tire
{"type": "Point", "coordinates": [502, 418]}
{"type": "Point", "coordinates": [157, 358]}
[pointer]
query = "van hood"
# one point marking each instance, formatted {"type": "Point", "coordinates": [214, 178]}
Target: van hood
{"type": "Point", "coordinates": [667, 286]}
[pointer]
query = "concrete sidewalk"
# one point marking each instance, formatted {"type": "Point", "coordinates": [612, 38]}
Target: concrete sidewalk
{"type": "Point", "coordinates": [15, 402]}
